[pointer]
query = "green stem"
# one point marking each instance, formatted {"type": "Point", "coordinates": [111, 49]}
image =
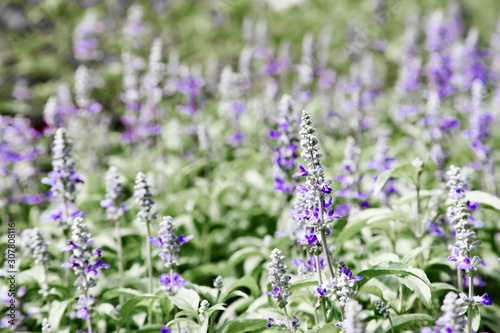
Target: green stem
{"type": "Point", "coordinates": [323, 239]}
{"type": "Point", "coordinates": [85, 293]}
{"type": "Point", "coordinates": [120, 257]}
{"type": "Point", "coordinates": [285, 312]}
{"type": "Point", "coordinates": [320, 279]}
{"type": "Point", "coordinates": [210, 320]}
{"type": "Point", "coordinates": [392, 325]}
{"type": "Point", "coordinates": [150, 265]}
{"type": "Point", "coordinates": [460, 280]}
{"type": "Point", "coordinates": [469, 310]}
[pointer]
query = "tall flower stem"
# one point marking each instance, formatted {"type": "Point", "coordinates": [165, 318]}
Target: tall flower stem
{"type": "Point", "coordinates": [119, 252]}
{"type": "Point", "coordinates": [285, 312]}
{"type": "Point", "coordinates": [469, 309]}
{"type": "Point", "coordinates": [460, 279]}
{"type": "Point", "coordinates": [150, 264]}
{"type": "Point", "coordinates": [323, 305]}
{"type": "Point", "coordinates": [172, 277]}
{"type": "Point", "coordinates": [67, 275]}
{"type": "Point", "coordinates": [85, 293]}
{"type": "Point", "coordinates": [323, 239]}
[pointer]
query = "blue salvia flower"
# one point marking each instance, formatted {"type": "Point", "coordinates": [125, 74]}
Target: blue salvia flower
{"type": "Point", "coordinates": [438, 126]}
{"type": "Point", "coordinates": [81, 261]}
{"type": "Point", "coordinates": [452, 319]}
{"type": "Point", "coordinates": [17, 151]}
{"type": "Point", "coordinates": [63, 179]}
{"type": "Point", "coordinates": [83, 87]}
{"type": "Point", "coordinates": [85, 42]}
{"type": "Point", "coordinates": [381, 162]}
{"type": "Point", "coordinates": [317, 186]}
{"type": "Point", "coordinates": [231, 87]}
{"type": "Point", "coordinates": [342, 286]}
{"type": "Point", "coordinates": [169, 242]}
{"type": "Point", "coordinates": [354, 318]}
{"type": "Point", "coordinates": [305, 70]}
{"type": "Point", "coordinates": [287, 145]}
{"type": "Point", "coordinates": [35, 246]}
{"type": "Point", "coordinates": [459, 214]}
{"type": "Point", "coordinates": [279, 282]}
{"type": "Point", "coordinates": [316, 216]}
{"type": "Point", "coordinates": [350, 176]}
{"type": "Point", "coordinates": [133, 29]}
{"type": "Point", "coordinates": [467, 62]}
{"type": "Point", "coordinates": [144, 199]}
{"type": "Point", "coordinates": [114, 192]}
{"type": "Point", "coordinates": [115, 210]}
{"type": "Point", "coordinates": [479, 130]}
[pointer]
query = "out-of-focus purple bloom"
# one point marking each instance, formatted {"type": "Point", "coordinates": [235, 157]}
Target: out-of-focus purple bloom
{"type": "Point", "coordinates": [350, 177]}
{"type": "Point", "coordinates": [133, 29]}
{"type": "Point", "coordinates": [85, 43]}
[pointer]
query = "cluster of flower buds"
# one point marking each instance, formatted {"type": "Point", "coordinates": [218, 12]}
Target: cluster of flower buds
{"type": "Point", "coordinates": [278, 278]}
{"type": "Point", "coordinates": [144, 198]}
{"type": "Point", "coordinates": [382, 308]}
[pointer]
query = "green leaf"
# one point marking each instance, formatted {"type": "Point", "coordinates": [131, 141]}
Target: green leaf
{"type": "Point", "coordinates": [328, 328]}
{"type": "Point", "coordinates": [243, 325]}
{"type": "Point", "coordinates": [398, 171]}
{"type": "Point", "coordinates": [419, 287]}
{"type": "Point", "coordinates": [403, 321]}
{"type": "Point", "coordinates": [186, 299]}
{"type": "Point", "coordinates": [186, 314]}
{"type": "Point", "coordinates": [357, 223]}
{"type": "Point", "coordinates": [483, 198]}
{"type": "Point", "coordinates": [216, 307]}
{"type": "Point", "coordinates": [132, 303]}
{"type": "Point", "coordinates": [391, 267]}
{"type": "Point", "coordinates": [57, 310]}
{"type": "Point", "coordinates": [413, 254]}
{"type": "Point", "coordinates": [409, 197]}
{"type": "Point", "coordinates": [150, 329]}
{"type": "Point", "coordinates": [441, 286]}
{"type": "Point", "coordinates": [241, 255]}
{"type": "Point", "coordinates": [475, 318]}
{"type": "Point", "coordinates": [304, 281]}
{"type": "Point", "coordinates": [381, 180]}
{"type": "Point", "coordinates": [246, 281]}
{"type": "Point", "coordinates": [106, 309]}
{"type": "Point", "coordinates": [179, 320]}
{"type": "Point", "coordinates": [112, 293]}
